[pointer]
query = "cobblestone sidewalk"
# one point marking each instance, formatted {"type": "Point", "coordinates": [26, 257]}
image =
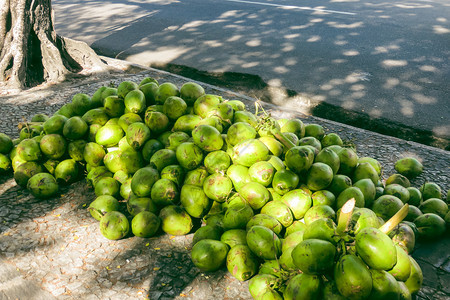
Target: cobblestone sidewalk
{"type": "Point", "coordinates": [53, 248]}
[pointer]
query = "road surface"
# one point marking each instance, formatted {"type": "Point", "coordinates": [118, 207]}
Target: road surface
{"type": "Point", "coordinates": [348, 60]}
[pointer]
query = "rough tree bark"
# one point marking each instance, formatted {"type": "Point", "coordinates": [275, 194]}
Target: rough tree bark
{"type": "Point", "coordinates": [32, 52]}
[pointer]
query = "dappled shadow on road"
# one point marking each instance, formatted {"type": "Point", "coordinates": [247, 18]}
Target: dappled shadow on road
{"type": "Point", "coordinates": [322, 51]}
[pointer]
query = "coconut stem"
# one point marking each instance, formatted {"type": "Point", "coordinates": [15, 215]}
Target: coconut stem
{"type": "Point", "coordinates": [282, 138]}
{"type": "Point", "coordinates": [257, 106]}
{"type": "Point", "coordinates": [270, 124]}
{"type": "Point", "coordinates": [343, 247]}
{"type": "Point", "coordinates": [395, 220]}
{"type": "Point", "coordinates": [345, 215]}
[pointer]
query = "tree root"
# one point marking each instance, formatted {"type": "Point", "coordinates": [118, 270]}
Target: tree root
{"type": "Point", "coordinates": [32, 53]}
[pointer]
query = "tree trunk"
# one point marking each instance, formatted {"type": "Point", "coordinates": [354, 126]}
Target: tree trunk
{"type": "Point", "coordinates": [32, 52]}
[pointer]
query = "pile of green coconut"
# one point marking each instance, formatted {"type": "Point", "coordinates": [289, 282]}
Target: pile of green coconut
{"type": "Point", "coordinates": [280, 203]}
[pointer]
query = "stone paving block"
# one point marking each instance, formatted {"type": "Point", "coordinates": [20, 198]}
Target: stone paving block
{"type": "Point", "coordinates": [14, 286]}
{"type": "Point", "coordinates": [431, 279]}
{"type": "Point", "coordinates": [446, 266]}
{"type": "Point", "coordinates": [435, 253]}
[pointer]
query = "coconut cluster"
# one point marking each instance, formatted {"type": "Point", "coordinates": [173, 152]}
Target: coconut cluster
{"type": "Point", "coordinates": [281, 203]}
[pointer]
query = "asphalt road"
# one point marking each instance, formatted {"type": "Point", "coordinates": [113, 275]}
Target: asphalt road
{"type": "Point", "coordinates": [385, 60]}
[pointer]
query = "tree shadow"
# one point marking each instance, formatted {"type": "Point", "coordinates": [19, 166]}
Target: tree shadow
{"type": "Point", "coordinates": [15, 285]}
{"type": "Point", "coordinates": [318, 58]}
{"type": "Point", "coordinates": [18, 205]}
{"type": "Point", "coordinates": [156, 270]}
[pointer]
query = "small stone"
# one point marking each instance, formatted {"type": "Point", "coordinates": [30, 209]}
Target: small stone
{"type": "Point", "coordinates": [430, 278]}
{"type": "Point", "coordinates": [57, 292]}
{"type": "Point", "coordinates": [155, 295]}
{"type": "Point", "coordinates": [446, 266]}
{"type": "Point", "coordinates": [74, 286]}
{"type": "Point", "coordinates": [444, 280]}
